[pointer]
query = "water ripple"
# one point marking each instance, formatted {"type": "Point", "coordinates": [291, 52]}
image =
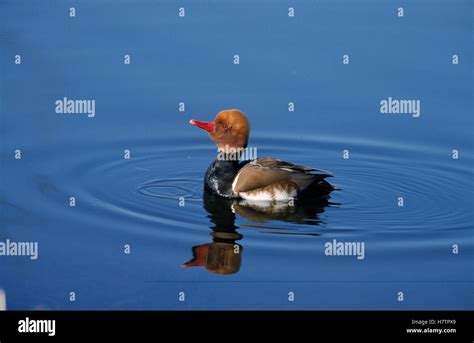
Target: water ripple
{"type": "Point", "coordinates": [148, 187]}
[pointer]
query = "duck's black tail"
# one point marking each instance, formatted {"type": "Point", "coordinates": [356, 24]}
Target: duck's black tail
{"type": "Point", "coordinates": [318, 188]}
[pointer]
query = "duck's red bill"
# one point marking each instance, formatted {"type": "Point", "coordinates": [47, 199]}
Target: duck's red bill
{"type": "Point", "coordinates": [209, 127]}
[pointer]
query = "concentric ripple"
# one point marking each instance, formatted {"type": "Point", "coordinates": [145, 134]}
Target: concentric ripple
{"type": "Point", "coordinates": [172, 189]}
{"type": "Point", "coordinates": [160, 186]}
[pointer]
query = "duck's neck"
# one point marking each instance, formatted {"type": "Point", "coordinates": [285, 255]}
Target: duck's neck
{"type": "Point", "coordinates": [220, 175]}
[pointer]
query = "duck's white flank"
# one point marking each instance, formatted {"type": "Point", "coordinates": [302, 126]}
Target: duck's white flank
{"type": "Point", "coordinates": [267, 195]}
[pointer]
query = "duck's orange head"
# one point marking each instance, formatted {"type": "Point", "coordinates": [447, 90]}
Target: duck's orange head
{"type": "Point", "coordinates": [230, 129]}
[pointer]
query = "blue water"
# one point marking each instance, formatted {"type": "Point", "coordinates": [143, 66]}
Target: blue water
{"type": "Point", "coordinates": [137, 201]}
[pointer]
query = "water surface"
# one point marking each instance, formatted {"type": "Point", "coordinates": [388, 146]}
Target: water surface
{"type": "Point", "coordinates": [153, 203]}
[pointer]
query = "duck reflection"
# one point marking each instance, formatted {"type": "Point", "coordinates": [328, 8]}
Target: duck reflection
{"type": "Point", "coordinates": [223, 255]}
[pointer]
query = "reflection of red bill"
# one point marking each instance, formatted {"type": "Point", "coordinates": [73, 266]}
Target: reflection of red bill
{"type": "Point", "coordinates": [199, 256]}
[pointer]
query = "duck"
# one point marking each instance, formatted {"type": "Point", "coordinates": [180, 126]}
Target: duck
{"type": "Point", "coordinates": [259, 179]}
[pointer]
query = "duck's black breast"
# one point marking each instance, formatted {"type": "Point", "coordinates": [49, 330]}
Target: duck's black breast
{"type": "Point", "coordinates": [220, 175]}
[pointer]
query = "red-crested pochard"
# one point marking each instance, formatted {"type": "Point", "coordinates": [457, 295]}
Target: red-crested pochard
{"type": "Point", "coordinates": [264, 179]}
